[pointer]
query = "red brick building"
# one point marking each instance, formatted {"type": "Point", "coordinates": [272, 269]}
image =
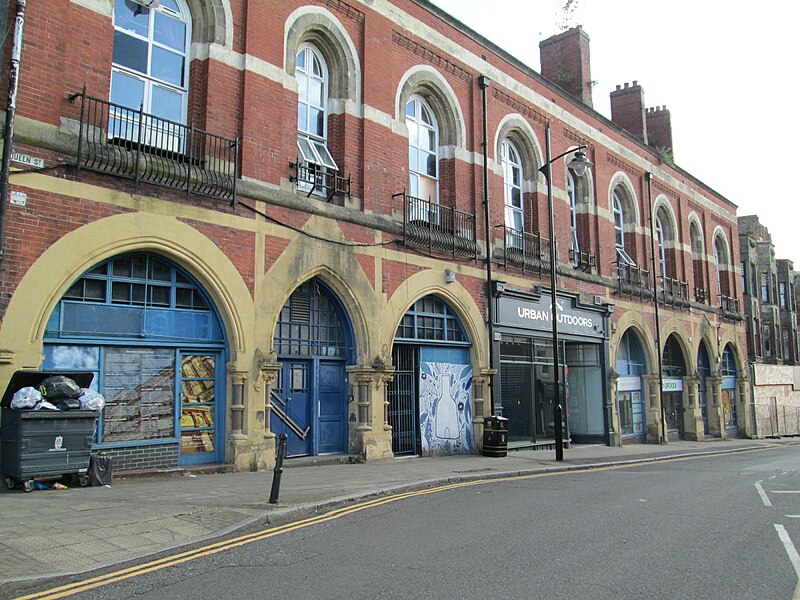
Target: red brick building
{"type": "Point", "coordinates": [254, 218]}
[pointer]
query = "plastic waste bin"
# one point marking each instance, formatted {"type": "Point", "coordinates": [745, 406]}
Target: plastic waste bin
{"type": "Point", "coordinates": [44, 443]}
{"type": "Point", "coordinates": [495, 436]}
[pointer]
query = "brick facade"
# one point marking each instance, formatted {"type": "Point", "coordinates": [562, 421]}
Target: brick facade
{"type": "Point", "coordinates": [251, 254]}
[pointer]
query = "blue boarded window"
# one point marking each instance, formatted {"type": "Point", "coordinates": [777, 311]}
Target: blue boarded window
{"type": "Point", "coordinates": [430, 319]}
{"type": "Point", "coordinates": [140, 296]}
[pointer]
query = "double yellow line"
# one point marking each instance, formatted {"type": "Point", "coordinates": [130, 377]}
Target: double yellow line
{"type": "Point", "coordinates": [182, 557]}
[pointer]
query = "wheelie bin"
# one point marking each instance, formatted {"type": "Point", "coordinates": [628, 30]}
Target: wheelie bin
{"type": "Point", "coordinates": [44, 443]}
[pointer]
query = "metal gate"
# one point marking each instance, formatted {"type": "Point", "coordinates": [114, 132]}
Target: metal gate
{"type": "Point", "coordinates": [402, 393]}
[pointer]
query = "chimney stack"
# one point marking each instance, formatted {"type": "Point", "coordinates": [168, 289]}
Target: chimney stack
{"type": "Point", "coordinates": [627, 110]}
{"type": "Point", "coordinates": [565, 62]}
{"type": "Point", "coordinates": [659, 128]}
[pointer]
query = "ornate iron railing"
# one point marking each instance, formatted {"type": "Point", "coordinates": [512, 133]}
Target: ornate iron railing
{"type": "Point", "coordinates": [633, 281]}
{"type": "Point", "coordinates": [730, 308]}
{"type": "Point", "coordinates": [585, 261]}
{"type": "Point", "coordinates": [528, 252]}
{"type": "Point", "coordinates": [133, 144]}
{"type": "Point", "coordinates": [313, 177]}
{"type": "Point", "coordinates": [701, 295]}
{"type": "Point", "coordinates": [674, 292]}
{"type": "Point", "coordinates": [438, 228]}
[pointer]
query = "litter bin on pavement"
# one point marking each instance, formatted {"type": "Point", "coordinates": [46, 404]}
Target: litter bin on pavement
{"type": "Point", "coordinates": [44, 443]}
{"type": "Point", "coordinates": [495, 436]}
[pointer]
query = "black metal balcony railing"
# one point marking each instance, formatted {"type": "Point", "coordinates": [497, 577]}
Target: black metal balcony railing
{"type": "Point", "coordinates": [529, 252]}
{"type": "Point", "coordinates": [730, 308]}
{"type": "Point", "coordinates": [701, 295]}
{"type": "Point", "coordinates": [585, 261]}
{"type": "Point", "coordinates": [438, 228]}
{"type": "Point", "coordinates": [674, 292]}
{"type": "Point", "coordinates": [136, 145]}
{"type": "Point", "coordinates": [633, 281]}
{"type": "Point", "coordinates": [314, 177]}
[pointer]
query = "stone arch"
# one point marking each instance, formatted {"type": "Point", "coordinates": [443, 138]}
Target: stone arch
{"type": "Point", "coordinates": [304, 259]}
{"type": "Point", "coordinates": [584, 185]}
{"type": "Point", "coordinates": [428, 83]}
{"type": "Point", "coordinates": [54, 271]}
{"type": "Point", "coordinates": [622, 184]}
{"type": "Point", "coordinates": [673, 328]}
{"type": "Point", "coordinates": [457, 297]}
{"type": "Point", "coordinates": [663, 209]}
{"type": "Point", "coordinates": [515, 128]}
{"type": "Point", "coordinates": [697, 240]}
{"type": "Point", "coordinates": [212, 22]}
{"type": "Point", "coordinates": [720, 238]}
{"type": "Point", "coordinates": [632, 321]}
{"type": "Point", "coordinates": [319, 27]}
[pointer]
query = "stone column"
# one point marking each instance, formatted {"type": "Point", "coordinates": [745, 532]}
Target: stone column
{"type": "Point", "coordinates": [238, 380]}
{"type": "Point", "coordinates": [716, 424]}
{"type": "Point", "coordinates": [692, 413]}
{"type": "Point", "coordinates": [743, 413]}
{"type": "Point", "coordinates": [655, 421]}
{"type": "Point", "coordinates": [612, 412]}
{"type": "Point", "coordinates": [372, 435]}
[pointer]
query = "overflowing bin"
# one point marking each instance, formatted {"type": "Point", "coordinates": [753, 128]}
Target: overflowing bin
{"type": "Point", "coordinates": [495, 436]}
{"type": "Point", "coordinates": [44, 443]}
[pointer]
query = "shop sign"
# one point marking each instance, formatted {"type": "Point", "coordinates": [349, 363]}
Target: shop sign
{"type": "Point", "coordinates": [536, 314]}
{"type": "Point", "coordinates": [629, 384]}
{"type": "Point", "coordinates": [672, 385]}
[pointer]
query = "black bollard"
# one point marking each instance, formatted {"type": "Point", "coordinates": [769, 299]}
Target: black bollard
{"type": "Point", "coordinates": [278, 470]}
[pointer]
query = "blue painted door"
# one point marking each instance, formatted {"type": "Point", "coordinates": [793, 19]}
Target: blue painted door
{"type": "Point", "coordinates": [293, 407]}
{"type": "Point", "coordinates": [332, 429]}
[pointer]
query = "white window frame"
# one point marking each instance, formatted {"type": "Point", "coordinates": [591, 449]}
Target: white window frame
{"type": "Point", "coordinates": [312, 146]}
{"type": "Point", "coordinates": [662, 255]}
{"type": "Point", "coordinates": [573, 211]}
{"type": "Point", "coordinates": [165, 138]}
{"type": "Point", "coordinates": [416, 127]}
{"type": "Point", "coordinates": [512, 182]}
{"type": "Point", "coordinates": [619, 229]}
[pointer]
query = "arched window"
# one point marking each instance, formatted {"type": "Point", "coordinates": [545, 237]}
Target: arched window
{"type": "Point", "coordinates": [312, 114]}
{"type": "Point", "coordinates": [698, 258]}
{"type": "Point", "coordinates": [150, 70]}
{"type": "Point", "coordinates": [662, 256]}
{"type": "Point", "coordinates": [423, 148]}
{"type": "Point", "coordinates": [512, 185]}
{"type": "Point", "coordinates": [573, 213]}
{"type": "Point", "coordinates": [721, 260]}
{"type": "Point", "coordinates": [619, 230]}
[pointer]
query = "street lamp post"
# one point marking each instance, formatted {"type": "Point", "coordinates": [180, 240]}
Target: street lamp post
{"type": "Point", "coordinates": [578, 164]}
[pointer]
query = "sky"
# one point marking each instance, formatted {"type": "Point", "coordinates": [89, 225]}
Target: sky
{"type": "Point", "coordinates": [723, 69]}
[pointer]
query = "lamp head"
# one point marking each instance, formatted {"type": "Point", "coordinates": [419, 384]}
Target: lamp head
{"type": "Point", "coordinates": [580, 163]}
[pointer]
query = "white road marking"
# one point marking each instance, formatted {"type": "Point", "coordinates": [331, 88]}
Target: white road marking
{"type": "Point", "coordinates": [786, 491]}
{"type": "Point", "coordinates": [789, 546]}
{"type": "Point", "coordinates": [763, 494]}
{"type": "Point", "coordinates": [792, 516]}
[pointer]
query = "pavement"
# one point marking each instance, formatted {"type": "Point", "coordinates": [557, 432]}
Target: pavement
{"type": "Point", "coordinates": [48, 534]}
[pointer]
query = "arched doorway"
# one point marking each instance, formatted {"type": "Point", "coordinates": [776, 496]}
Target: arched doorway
{"type": "Point", "coordinates": [314, 342]}
{"type": "Point", "coordinates": [703, 371]}
{"type": "Point", "coordinates": [631, 365]}
{"type": "Point", "coordinates": [728, 391]}
{"type": "Point", "coordinates": [155, 343]}
{"type": "Point", "coordinates": [674, 370]}
{"type": "Point", "coordinates": [430, 397]}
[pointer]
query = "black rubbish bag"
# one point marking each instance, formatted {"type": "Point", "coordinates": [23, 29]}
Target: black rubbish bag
{"type": "Point", "coordinates": [100, 469]}
{"type": "Point", "coordinates": [58, 387]}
